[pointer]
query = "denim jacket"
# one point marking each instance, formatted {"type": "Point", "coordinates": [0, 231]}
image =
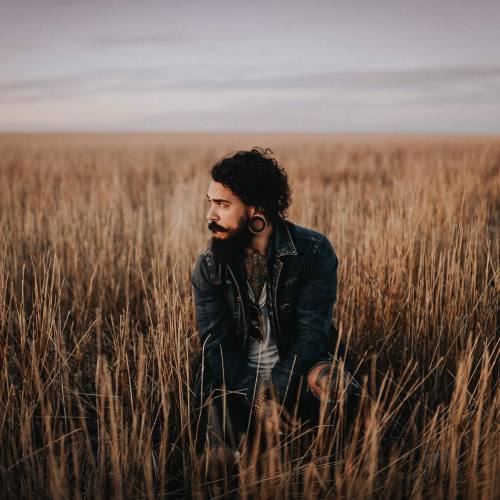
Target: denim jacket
{"type": "Point", "coordinates": [303, 281]}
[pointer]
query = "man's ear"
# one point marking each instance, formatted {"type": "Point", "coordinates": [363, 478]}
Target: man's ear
{"type": "Point", "coordinates": [257, 210]}
{"type": "Point", "coordinates": [252, 211]}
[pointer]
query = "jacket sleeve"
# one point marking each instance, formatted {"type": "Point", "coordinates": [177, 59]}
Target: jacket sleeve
{"type": "Point", "coordinates": [219, 345]}
{"type": "Point", "coordinates": [315, 303]}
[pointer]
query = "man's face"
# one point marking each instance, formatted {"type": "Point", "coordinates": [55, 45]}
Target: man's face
{"type": "Point", "coordinates": [228, 222]}
{"type": "Point", "coordinates": [226, 210]}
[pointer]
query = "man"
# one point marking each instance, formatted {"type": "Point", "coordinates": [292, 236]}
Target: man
{"type": "Point", "coordinates": [264, 292]}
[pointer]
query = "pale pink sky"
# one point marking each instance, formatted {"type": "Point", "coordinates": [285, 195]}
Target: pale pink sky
{"type": "Point", "coordinates": [320, 66]}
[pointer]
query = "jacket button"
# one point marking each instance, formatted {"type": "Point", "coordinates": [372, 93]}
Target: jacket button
{"type": "Point", "coordinates": [285, 307]}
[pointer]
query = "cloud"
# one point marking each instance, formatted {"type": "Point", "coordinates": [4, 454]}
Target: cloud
{"type": "Point", "coordinates": [156, 39]}
{"type": "Point", "coordinates": [412, 86]}
{"type": "Point", "coordinates": [428, 79]}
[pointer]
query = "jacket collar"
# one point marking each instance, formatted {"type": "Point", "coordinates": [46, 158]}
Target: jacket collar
{"type": "Point", "coordinates": [282, 243]}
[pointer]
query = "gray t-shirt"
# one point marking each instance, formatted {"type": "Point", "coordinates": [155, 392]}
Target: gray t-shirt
{"type": "Point", "coordinates": [268, 349]}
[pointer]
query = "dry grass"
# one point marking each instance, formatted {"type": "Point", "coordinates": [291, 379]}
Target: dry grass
{"type": "Point", "coordinates": [98, 235]}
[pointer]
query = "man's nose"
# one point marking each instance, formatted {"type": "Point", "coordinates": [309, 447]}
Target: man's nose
{"type": "Point", "coordinates": [211, 215]}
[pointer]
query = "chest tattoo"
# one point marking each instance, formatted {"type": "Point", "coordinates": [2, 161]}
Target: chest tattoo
{"type": "Point", "coordinates": [256, 270]}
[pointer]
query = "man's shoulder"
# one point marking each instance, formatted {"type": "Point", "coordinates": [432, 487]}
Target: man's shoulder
{"type": "Point", "coordinates": [205, 259]}
{"type": "Point", "coordinates": [303, 233]}
{"type": "Point", "coordinates": [207, 266]}
{"type": "Point", "coordinates": [309, 242]}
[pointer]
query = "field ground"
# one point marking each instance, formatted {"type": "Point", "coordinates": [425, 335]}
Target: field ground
{"type": "Point", "coordinates": [98, 236]}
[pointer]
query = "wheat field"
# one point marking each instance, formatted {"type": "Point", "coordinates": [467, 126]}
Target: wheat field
{"type": "Point", "coordinates": [98, 236]}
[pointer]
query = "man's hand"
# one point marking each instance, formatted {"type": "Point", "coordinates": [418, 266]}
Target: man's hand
{"type": "Point", "coordinates": [318, 380]}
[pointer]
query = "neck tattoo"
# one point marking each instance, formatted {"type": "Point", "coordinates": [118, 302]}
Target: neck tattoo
{"type": "Point", "coordinates": [256, 271]}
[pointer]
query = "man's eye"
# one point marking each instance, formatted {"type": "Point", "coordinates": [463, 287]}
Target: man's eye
{"type": "Point", "coordinates": [221, 204]}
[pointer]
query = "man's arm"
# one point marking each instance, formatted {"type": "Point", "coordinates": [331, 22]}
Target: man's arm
{"type": "Point", "coordinates": [314, 316]}
{"type": "Point", "coordinates": [226, 361]}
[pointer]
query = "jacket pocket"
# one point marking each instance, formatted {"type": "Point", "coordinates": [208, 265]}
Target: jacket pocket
{"type": "Point", "coordinates": [287, 314]}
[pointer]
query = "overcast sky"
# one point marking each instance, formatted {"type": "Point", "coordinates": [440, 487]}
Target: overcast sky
{"type": "Point", "coordinates": [317, 66]}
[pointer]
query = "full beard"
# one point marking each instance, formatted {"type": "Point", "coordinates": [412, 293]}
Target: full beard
{"type": "Point", "coordinates": [232, 249]}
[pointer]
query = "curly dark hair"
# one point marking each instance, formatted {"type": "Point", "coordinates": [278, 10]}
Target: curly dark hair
{"type": "Point", "coordinates": [257, 179]}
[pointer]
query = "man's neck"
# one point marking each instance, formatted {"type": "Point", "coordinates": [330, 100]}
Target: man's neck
{"type": "Point", "coordinates": [260, 242]}
{"type": "Point", "coordinates": [256, 262]}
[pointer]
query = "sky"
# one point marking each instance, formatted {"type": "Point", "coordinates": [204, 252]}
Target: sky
{"type": "Point", "coordinates": [356, 66]}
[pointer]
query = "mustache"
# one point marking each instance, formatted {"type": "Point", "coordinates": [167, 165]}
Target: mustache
{"type": "Point", "coordinates": [213, 226]}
